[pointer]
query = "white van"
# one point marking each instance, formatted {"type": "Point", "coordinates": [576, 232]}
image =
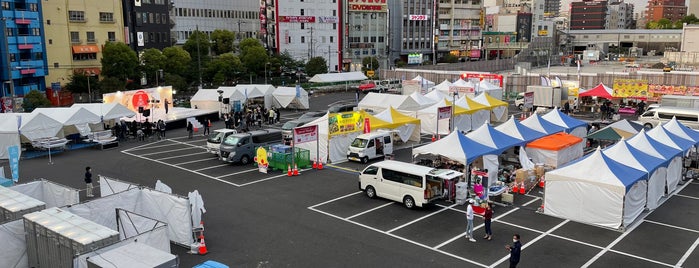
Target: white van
{"type": "Point", "coordinates": [414, 185]}
{"type": "Point", "coordinates": [687, 116]}
{"type": "Point", "coordinates": [370, 145]}
{"type": "Point", "coordinates": [213, 142]}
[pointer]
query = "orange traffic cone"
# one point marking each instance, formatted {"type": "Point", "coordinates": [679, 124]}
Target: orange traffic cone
{"type": "Point", "coordinates": [515, 188]}
{"type": "Point", "coordinates": [522, 190]}
{"type": "Point", "coordinates": [320, 165]}
{"type": "Point", "coordinates": [315, 164]}
{"type": "Point", "coordinates": [202, 246]}
{"type": "Point", "coordinates": [288, 170]}
{"type": "Point", "coordinates": [433, 138]}
{"type": "Point", "coordinates": [542, 182]}
{"type": "Point", "coordinates": [296, 170]}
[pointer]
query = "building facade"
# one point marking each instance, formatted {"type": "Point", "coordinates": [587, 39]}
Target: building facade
{"type": "Point", "coordinates": [412, 41]}
{"type": "Point", "coordinates": [588, 15]}
{"type": "Point", "coordinates": [23, 50]}
{"type": "Point", "coordinates": [366, 25]}
{"type": "Point", "coordinates": [552, 8]}
{"type": "Point", "coordinates": [147, 24]}
{"type": "Point", "coordinates": [670, 9]}
{"type": "Point", "coordinates": [459, 24]}
{"type": "Point", "coordinates": [620, 16]}
{"type": "Point", "coordinates": [75, 34]}
{"type": "Point", "coordinates": [240, 17]}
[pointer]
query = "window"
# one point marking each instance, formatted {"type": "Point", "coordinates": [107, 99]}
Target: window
{"type": "Point", "coordinates": [84, 56]}
{"type": "Point", "coordinates": [36, 31]}
{"type": "Point", "coordinates": [91, 37]}
{"type": "Point", "coordinates": [33, 7]}
{"type": "Point", "coordinates": [400, 177]}
{"type": "Point", "coordinates": [76, 16]}
{"type": "Point", "coordinates": [157, 18]}
{"type": "Point", "coordinates": [138, 19]}
{"type": "Point", "coordinates": [48, 22]}
{"type": "Point", "coordinates": [111, 36]}
{"type": "Point", "coordinates": [56, 65]}
{"type": "Point", "coordinates": [303, 26]}
{"type": "Point", "coordinates": [150, 18]}
{"type": "Point", "coordinates": [145, 17]}
{"type": "Point", "coordinates": [334, 12]}
{"type": "Point", "coordinates": [75, 37]}
{"type": "Point", "coordinates": [5, 5]}
{"type": "Point", "coordinates": [50, 41]}
{"type": "Point", "coordinates": [302, 12]}
{"type": "Point", "coordinates": [332, 39]}
{"type": "Point", "coordinates": [303, 39]}
{"type": "Point", "coordinates": [106, 17]}
{"type": "Point", "coordinates": [371, 170]}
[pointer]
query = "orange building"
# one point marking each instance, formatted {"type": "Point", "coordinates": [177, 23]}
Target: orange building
{"type": "Point", "coordinates": [673, 10]}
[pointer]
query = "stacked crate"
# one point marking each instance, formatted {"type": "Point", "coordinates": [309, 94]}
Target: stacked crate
{"type": "Point", "coordinates": [55, 237]}
{"type": "Point", "coordinates": [14, 204]}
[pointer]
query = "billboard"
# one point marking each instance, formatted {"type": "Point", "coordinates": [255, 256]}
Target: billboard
{"type": "Point", "coordinates": [418, 17]}
{"type": "Point", "coordinates": [367, 5]}
{"type": "Point", "coordinates": [133, 99]}
{"type": "Point", "coordinates": [630, 88]}
{"type": "Point", "coordinates": [344, 123]}
{"type": "Point", "coordinates": [297, 19]}
{"type": "Point", "coordinates": [415, 58]}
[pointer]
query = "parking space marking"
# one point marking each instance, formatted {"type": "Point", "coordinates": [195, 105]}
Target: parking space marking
{"type": "Point", "coordinates": [177, 156]}
{"type": "Point", "coordinates": [333, 200]}
{"type": "Point", "coordinates": [189, 143]}
{"type": "Point", "coordinates": [222, 165]}
{"type": "Point", "coordinates": [173, 150]}
{"type": "Point", "coordinates": [687, 196]}
{"type": "Point", "coordinates": [507, 257]}
{"type": "Point", "coordinates": [640, 258]}
{"type": "Point", "coordinates": [146, 145]}
{"type": "Point", "coordinates": [178, 167]}
{"type": "Point", "coordinates": [369, 210]}
{"type": "Point", "coordinates": [672, 226]}
{"type": "Point", "coordinates": [150, 147]}
{"type": "Point", "coordinates": [342, 168]}
{"type": "Point", "coordinates": [236, 173]}
{"type": "Point", "coordinates": [194, 161]}
{"type": "Point", "coordinates": [686, 254]}
{"type": "Point", "coordinates": [269, 178]}
{"type": "Point", "coordinates": [419, 219]}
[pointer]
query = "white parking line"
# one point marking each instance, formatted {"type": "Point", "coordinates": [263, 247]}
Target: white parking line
{"type": "Point", "coordinates": [185, 169]}
{"type": "Point", "coordinates": [686, 254]}
{"type": "Point", "coordinates": [190, 143]}
{"type": "Point", "coordinates": [270, 178]}
{"type": "Point", "coordinates": [150, 147]}
{"type": "Point", "coordinates": [173, 150]}
{"type": "Point", "coordinates": [236, 173]}
{"type": "Point", "coordinates": [370, 210]}
{"type": "Point", "coordinates": [217, 166]}
{"type": "Point", "coordinates": [333, 200]}
{"type": "Point", "coordinates": [419, 219]}
{"type": "Point", "coordinates": [194, 161]}
{"type": "Point", "coordinates": [171, 157]}
{"type": "Point", "coordinates": [672, 226]}
{"type": "Point", "coordinates": [531, 242]}
{"type": "Point", "coordinates": [146, 145]}
{"type": "Point", "coordinates": [687, 196]}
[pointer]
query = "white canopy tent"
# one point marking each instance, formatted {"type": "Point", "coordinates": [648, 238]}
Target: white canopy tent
{"type": "Point", "coordinates": [290, 97]}
{"type": "Point", "coordinates": [436, 94]}
{"type": "Point", "coordinates": [9, 133]}
{"type": "Point", "coordinates": [323, 141]}
{"type": "Point", "coordinates": [38, 126]}
{"type": "Point", "coordinates": [207, 99]}
{"type": "Point", "coordinates": [674, 170]}
{"type": "Point", "coordinates": [378, 102]}
{"type": "Point", "coordinates": [492, 90]}
{"type": "Point", "coordinates": [651, 147]}
{"type": "Point", "coordinates": [421, 99]}
{"type": "Point", "coordinates": [442, 88]}
{"type": "Point", "coordinates": [596, 190]}
{"type": "Point", "coordinates": [338, 77]}
{"type": "Point", "coordinates": [424, 82]}
{"type": "Point", "coordinates": [480, 114]}
{"type": "Point", "coordinates": [244, 93]}
{"type": "Point", "coordinates": [74, 119]}
{"type": "Point", "coordinates": [107, 111]}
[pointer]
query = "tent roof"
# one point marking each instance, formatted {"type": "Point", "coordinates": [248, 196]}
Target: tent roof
{"type": "Point", "coordinates": [536, 123]}
{"type": "Point", "coordinates": [463, 83]}
{"type": "Point", "coordinates": [661, 135]}
{"type": "Point", "coordinates": [70, 115]}
{"type": "Point", "coordinates": [599, 91]}
{"type": "Point", "coordinates": [401, 102]}
{"type": "Point", "coordinates": [107, 111]}
{"type": "Point", "coordinates": [617, 130]}
{"type": "Point", "coordinates": [555, 142]}
{"type": "Point", "coordinates": [205, 95]}
{"type": "Point", "coordinates": [457, 147]}
{"type": "Point", "coordinates": [489, 136]}
{"type": "Point", "coordinates": [444, 86]}
{"type": "Point", "coordinates": [8, 122]}
{"type": "Point", "coordinates": [393, 118]}
{"type": "Point", "coordinates": [432, 109]}
{"type": "Point", "coordinates": [632, 157]}
{"type": "Point", "coordinates": [436, 95]}
{"type": "Point", "coordinates": [675, 127]}
{"type": "Point", "coordinates": [485, 99]}
{"type": "Point", "coordinates": [515, 129]}
{"type": "Point", "coordinates": [470, 105]}
{"type": "Point", "coordinates": [38, 125]}
{"type": "Point", "coordinates": [338, 77]}
{"type": "Point", "coordinates": [423, 80]}
{"type": "Point", "coordinates": [421, 99]}
{"type": "Point", "coordinates": [557, 117]}
{"type": "Point", "coordinates": [485, 85]}
{"type": "Point", "coordinates": [652, 147]}
{"type": "Point", "coordinates": [598, 168]}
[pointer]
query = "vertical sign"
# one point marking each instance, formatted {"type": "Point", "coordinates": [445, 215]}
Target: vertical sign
{"type": "Point", "coordinates": [367, 125]}
{"type": "Point", "coordinates": [140, 39]}
{"type": "Point", "coordinates": [443, 112]}
{"type": "Point", "coordinates": [305, 134]}
{"type": "Point", "coordinates": [13, 152]}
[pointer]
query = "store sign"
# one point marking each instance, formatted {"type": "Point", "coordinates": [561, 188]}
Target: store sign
{"type": "Point", "coordinates": [305, 134]}
{"type": "Point", "coordinates": [297, 19]}
{"type": "Point", "coordinates": [543, 32]}
{"type": "Point", "coordinates": [367, 1]}
{"type": "Point", "coordinates": [415, 58]}
{"type": "Point", "coordinates": [625, 88]}
{"type": "Point", "coordinates": [418, 17]}
{"type": "Point", "coordinates": [658, 89]}
{"type": "Point", "coordinates": [343, 123]}
{"type": "Point", "coordinates": [462, 90]}
{"type": "Point", "coordinates": [368, 8]}
{"type": "Point", "coordinates": [528, 100]}
{"type": "Point", "coordinates": [325, 19]}
{"type": "Point", "coordinates": [443, 112]}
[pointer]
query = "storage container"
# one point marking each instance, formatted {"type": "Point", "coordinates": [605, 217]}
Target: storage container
{"type": "Point", "coordinates": [133, 255]}
{"type": "Point", "coordinates": [55, 236]}
{"type": "Point", "coordinates": [14, 204]}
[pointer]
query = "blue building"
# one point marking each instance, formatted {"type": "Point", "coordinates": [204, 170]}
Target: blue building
{"type": "Point", "coordinates": [23, 50]}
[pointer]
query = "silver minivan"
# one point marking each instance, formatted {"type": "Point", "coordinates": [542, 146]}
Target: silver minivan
{"type": "Point", "coordinates": [687, 116]}
{"type": "Point", "coordinates": [241, 147]}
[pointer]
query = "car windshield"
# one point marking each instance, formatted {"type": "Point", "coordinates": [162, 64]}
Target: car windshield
{"type": "Point", "coordinates": [215, 137]}
{"type": "Point", "coordinates": [231, 140]}
{"type": "Point", "coordinates": [290, 125]}
{"type": "Point", "coordinates": [359, 143]}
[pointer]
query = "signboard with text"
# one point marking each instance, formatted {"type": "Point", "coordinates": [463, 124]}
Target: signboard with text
{"type": "Point", "coordinates": [443, 112]}
{"type": "Point", "coordinates": [305, 134]}
{"type": "Point", "coordinates": [528, 100]}
{"type": "Point", "coordinates": [297, 19]}
{"type": "Point", "coordinates": [418, 17]}
{"type": "Point", "coordinates": [629, 88]}
{"type": "Point", "coordinates": [344, 123]}
{"type": "Point", "coordinates": [367, 5]}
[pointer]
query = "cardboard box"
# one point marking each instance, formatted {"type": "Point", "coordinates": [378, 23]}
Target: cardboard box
{"type": "Point", "coordinates": [520, 175]}
{"type": "Point", "coordinates": [507, 198]}
{"type": "Point", "coordinates": [539, 170]}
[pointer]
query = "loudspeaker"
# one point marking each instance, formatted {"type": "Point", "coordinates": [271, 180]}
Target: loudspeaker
{"type": "Point", "coordinates": [146, 112]}
{"type": "Point", "coordinates": [220, 98]}
{"type": "Point", "coordinates": [226, 100]}
{"type": "Point", "coordinates": [140, 109]}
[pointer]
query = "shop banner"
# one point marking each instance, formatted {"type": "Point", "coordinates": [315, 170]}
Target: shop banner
{"type": "Point", "coordinates": [343, 123]}
{"type": "Point", "coordinates": [630, 88]}
{"type": "Point", "coordinates": [305, 134]}
{"type": "Point", "coordinates": [13, 152]}
{"type": "Point", "coordinates": [528, 100]}
{"type": "Point", "coordinates": [443, 112]}
{"type": "Point", "coordinates": [657, 89]}
{"type": "Point", "coordinates": [367, 126]}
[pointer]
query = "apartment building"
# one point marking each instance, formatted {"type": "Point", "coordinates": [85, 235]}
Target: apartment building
{"type": "Point", "coordinates": [670, 9]}
{"type": "Point", "coordinates": [147, 24]}
{"type": "Point", "coordinates": [412, 41]}
{"type": "Point", "coordinates": [620, 15]}
{"type": "Point", "coordinates": [459, 24]}
{"type": "Point", "coordinates": [240, 16]}
{"type": "Point", "coordinates": [367, 32]}
{"type": "Point", "coordinates": [588, 15]}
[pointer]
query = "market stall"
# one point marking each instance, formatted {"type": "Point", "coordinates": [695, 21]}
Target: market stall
{"type": "Point", "coordinates": [291, 98]}
{"type": "Point", "coordinates": [429, 119]}
{"type": "Point", "coordinates": [492, 90]}
{"type": "Point", "coordinates": [439, 91]}
{"type": "Point", "coordinates": [675, 127]}
{"type": "Point", "coordinates": [682, 146]}
{"type": "Point", "coordinates": [575, 127]}
{"type": "Point", "coordinates": [75, 120]}
{"type": "Point", "coordinates": [616, 131]}
{"type": "Point", "coordinates": [480, 114]}
{"type": "Point", "coordinates": [377, 102]}
{"type": "Point", "coordinates": [556, 149]}
{"type": "Point", "coordinates": [421, 100]}
{"type": "Point", "coordinates": [9, 133]}
{"type": "Point", "coordinates": [600, 90]}
{"type": "Point", "coordinates": [407, 127]}
{"type": "Point", "coordinates": [517, 130]}
{"type": "Point", "coordinates": [498, 108]}
{"type": "Point", "coordinates": [489, 136]}
{"type": "Point", "coordinates": [596, 190]}
{"type": "Point", "coordinates": [208, 99]}
{"type": "Point", "coordinates": [536, 123]}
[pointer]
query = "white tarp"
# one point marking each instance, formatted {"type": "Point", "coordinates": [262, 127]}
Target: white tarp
{"type": "Point", "coordinates": [291, 97]}
{"type": "Point", "coordinates": [197, 207]}
{"type": "Point", "coordinates": [428, 120]}
{"type": "Point", "coordinates": [596, 190]}
{"type": "Point", "coordinates": [421, 99]}
{"type": "Point", "coordinates": [74, 119]}
{"type": "Point", "coordinates": [323, 141]}
{"type": "Point", "coordinates": [37, 126]}
{"type": "Point", "coordinates": [155, 239]}
{"type": "Point", "coordinates": [338, 77]}
{"type": "Point", "coordinates": [51, 193]}
{"type": "Point", "coordinates": [378, 102]}
{"type": "Point", "coordinates": [107, 111]}
{"type": "Point", "coordinates": [14, 243]}
{"type": "Point", "coordinates": [207, 99]}
{"type": "Point", "coordinates": [9, 133]}
{"type": "Point", "coordinates": [436, 95]}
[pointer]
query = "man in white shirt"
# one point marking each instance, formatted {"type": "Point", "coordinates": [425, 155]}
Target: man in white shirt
{"type": "Point", "coordinates": [469, 218]}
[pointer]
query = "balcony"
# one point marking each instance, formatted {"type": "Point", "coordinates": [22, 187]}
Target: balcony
{"type": "Point", "coordinates": [25, 39]}
{"type": "Point", "coordinates": [24, 15]}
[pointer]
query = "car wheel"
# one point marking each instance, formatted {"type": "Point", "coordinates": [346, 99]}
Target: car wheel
{"type": "Point", "coordinates": [409, 202]}
{"type": "Point", "coordinates": [648, 126]}
{"type": "Point", "coordinates": [370, 192]}
{"type": "Point", "coordinates": [245, 160]}
{"type": "Point", "coordinates": [521, 107]}
{"type": "Point", "coordinates": [365, 160]}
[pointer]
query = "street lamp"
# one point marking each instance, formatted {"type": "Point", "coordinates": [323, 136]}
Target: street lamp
{"type": "Point", "coordinates": [89, 89]}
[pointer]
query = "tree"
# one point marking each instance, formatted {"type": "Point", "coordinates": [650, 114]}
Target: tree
{"type": "Point", "coordinates": [223, 41]}
{"type": "Point", "coordinates": [35, 99]}
{"type": "Point", "coordinates": [118, 60]}
{"type": "Point", "coordinates": [254, 58]}
{"type": "Point", "coordinates": [450, 58]}
{"type": "Point", "coordinates": [316, 65]}
{"type": "Point", "coordinates": [370, 63]}
{"type": "Point", "coordinates": [78, 83]}
{"type": "Point", "coordinates": [152, 61]}
{"type": "Point", "coordinates": [247, 44]}
{"type": "Point", "coordinates": [198, 46]}
{"type": "Point", "coordinates": [177, 60]}
{"type": "Point", "coordinates": [177, 82]}
{"type": "Point", "coordinates": [110, 85]}
{"type": "Point", "coordinates": [664, 23]}
{"type": "Point", "coordinates": [225, 69]}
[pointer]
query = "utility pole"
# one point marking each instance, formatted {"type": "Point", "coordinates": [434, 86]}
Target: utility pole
{"type": "Point", "coordinates": [239, 22]}
{"type": "Point", "coordinates": [199, 56]}
{"type": "Point", "coordinates": [9, 67]}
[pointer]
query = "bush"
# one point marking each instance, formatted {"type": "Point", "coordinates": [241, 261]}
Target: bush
{"type": "Point", "coordinates": [658, 65]}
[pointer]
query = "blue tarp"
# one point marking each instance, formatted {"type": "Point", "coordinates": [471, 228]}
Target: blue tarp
{"type": "Point", "coordinates": [456, 146]}
{"type": "Point", "coordinates": [489, 136]}
{"type": "Point", "coordinates": [558, 118]}
{"type": "Point", "coordinates": [517, 130]}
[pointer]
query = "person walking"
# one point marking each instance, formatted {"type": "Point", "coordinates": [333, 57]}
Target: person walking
{"type": "Point", "coordinates": [566, 107]}
{"type": "Point", "coordinates": [271, 117]}
{"type": "Point", "coordinates": [190, 130]}
{"type": "Point", "coordinates": [277, 114]}
{"type": "Point", "coordinates": [515, 250]}
{"type": "Point", "coordinates": [487, 219]}
{"type": "Point", "coordinates": [161, 129]}
{"type": "Point", "coordinates": [207, 126]}
{"type": "Point", "coordinates": [88, 181]}
{"type": "Point", "coordinates": [469, 219]}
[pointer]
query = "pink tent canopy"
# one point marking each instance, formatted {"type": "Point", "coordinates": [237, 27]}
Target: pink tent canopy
{"type": "Point", "coordinates": [599, 91]}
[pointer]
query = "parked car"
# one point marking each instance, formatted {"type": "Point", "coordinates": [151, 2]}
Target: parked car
{"type": "Point", "coordinates": [311, 115]}
{"type": "Point", "coordinates": [342, 107]}
{"type": "Point", "coordinates": [289, 126]}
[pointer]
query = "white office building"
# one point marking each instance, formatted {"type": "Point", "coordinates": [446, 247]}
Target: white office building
{"type": "Point", "coordinates": [239, 16]}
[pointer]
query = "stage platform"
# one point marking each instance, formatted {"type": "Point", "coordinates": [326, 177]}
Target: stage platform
{"type": "Point", "coordinates": [176, 116]}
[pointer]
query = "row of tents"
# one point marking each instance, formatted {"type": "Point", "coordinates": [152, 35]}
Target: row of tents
{"type": "Point", "coordinates": [82, 118]}
{"type": "Point", "coordinates": [283, 97]}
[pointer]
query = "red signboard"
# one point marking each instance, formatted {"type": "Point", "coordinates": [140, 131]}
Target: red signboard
{"type": "Point", "coordinates": [305, 134]}
{"type": "Point", "coordinates": [443, 112]}
{"type": "Point", "coordinates": [367, 7]}
{"type": "Point", "coordinates": [297, 19]}
{"type": "Point", "coordinates": [492, 78]}
{"type": "Point", "coordinates": [367, 125]}
{"type": "Point", "coordinates": [367, 1]}
{"type": "Point", "coordinates": [140, 99]}
{"type": "Point", "coordinates": [418, 17]}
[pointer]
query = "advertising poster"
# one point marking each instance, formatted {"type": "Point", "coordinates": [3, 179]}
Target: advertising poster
{"type": "Point", "coordinates": [630, 88]}
{"type": "Point", "coordinates": [343, 123]}
{"type": "Point", "coordinates": [305, 134]}
{"type": "Point", "coordinates": [443, 112]}
{"type": "Point", "coordinates": [133, 99]}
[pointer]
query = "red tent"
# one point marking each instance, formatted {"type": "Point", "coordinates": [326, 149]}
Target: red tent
{"type": "Point", "coordinates": [599, 91]}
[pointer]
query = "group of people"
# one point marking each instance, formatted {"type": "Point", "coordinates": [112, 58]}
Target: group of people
{"type": "Point", "coordinates": [139, 130]}
{"type": "Point", "coordinates": [515, 249]}
{"type": "Point", "coordinates": [251, 117]}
